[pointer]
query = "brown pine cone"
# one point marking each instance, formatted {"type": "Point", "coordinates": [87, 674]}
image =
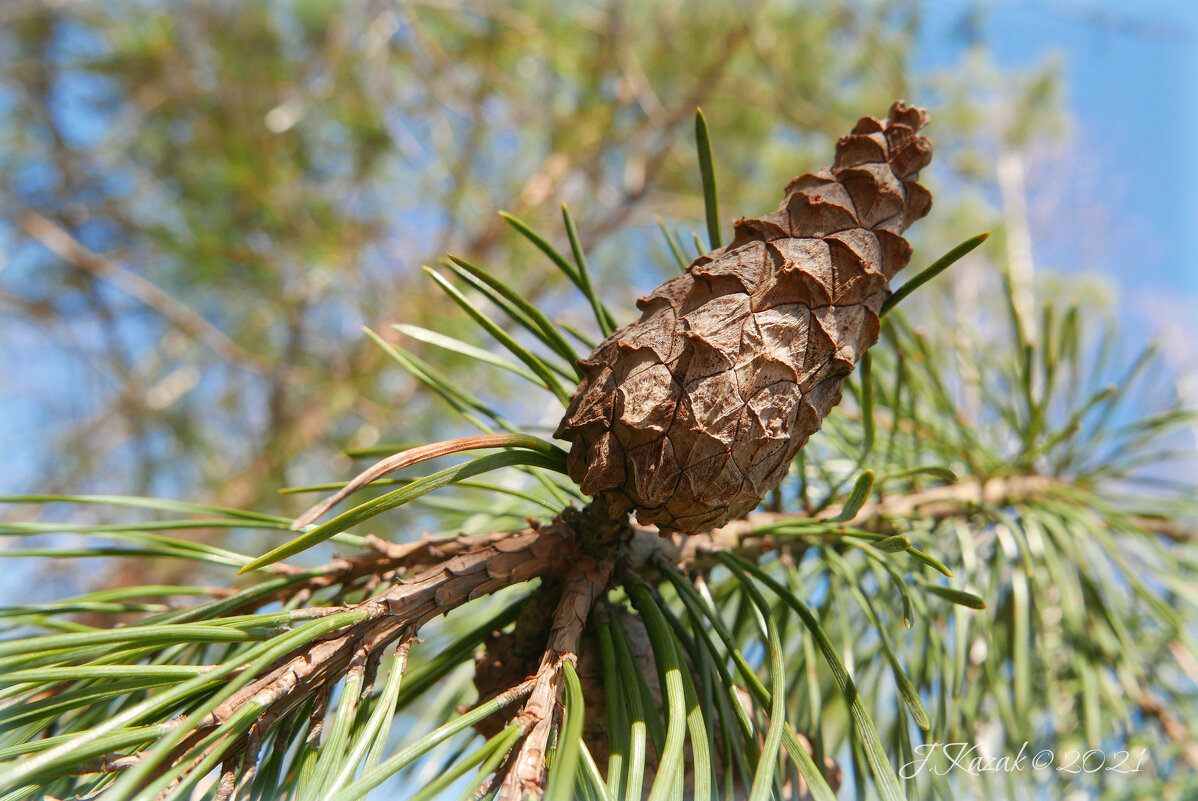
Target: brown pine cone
{"type": "Point", "coordinates": [694, 412]}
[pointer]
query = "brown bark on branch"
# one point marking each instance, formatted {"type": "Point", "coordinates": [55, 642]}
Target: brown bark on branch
{"type": "Point", "coordinates": [466, 568]}
{"type": "Point", "coordinates": [577, 549]}
{"type": "Point", "coordinates": [525, 771]}
{"type": "Point", "coordinates": [745, 537]}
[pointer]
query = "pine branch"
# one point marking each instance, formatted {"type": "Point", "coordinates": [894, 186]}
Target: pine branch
{"type": "Point", "coordinates": [455, 570]}
{"type": "Point", "coordinates": [583, 586]}
{"type": "Point", "coordinates": [751, 536]}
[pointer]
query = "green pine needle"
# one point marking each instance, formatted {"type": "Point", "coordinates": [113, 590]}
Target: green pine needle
{"type": "Point", "coordinates": [937, 267]}
{"type": "Point", "coordinates": [395, 498]}
{"type": "Point", "coordinates": [711, 202]}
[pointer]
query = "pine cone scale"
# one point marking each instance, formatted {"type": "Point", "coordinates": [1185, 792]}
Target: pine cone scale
{"type": "Point", "coordinates": [690, 415]}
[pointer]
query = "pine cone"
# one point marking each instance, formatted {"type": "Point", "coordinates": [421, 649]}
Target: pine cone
{"type": "Point", "coordinates": [694, 412]}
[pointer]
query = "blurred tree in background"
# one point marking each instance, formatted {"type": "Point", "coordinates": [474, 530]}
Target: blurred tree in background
{"type": "Point", "coordinates": [206, 201]}
{"type": "Point", "coordinates": [262, 179]}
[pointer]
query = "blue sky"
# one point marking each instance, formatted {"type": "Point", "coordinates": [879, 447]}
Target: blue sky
{"type": "Point", "coordinates": [1131, 83]}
